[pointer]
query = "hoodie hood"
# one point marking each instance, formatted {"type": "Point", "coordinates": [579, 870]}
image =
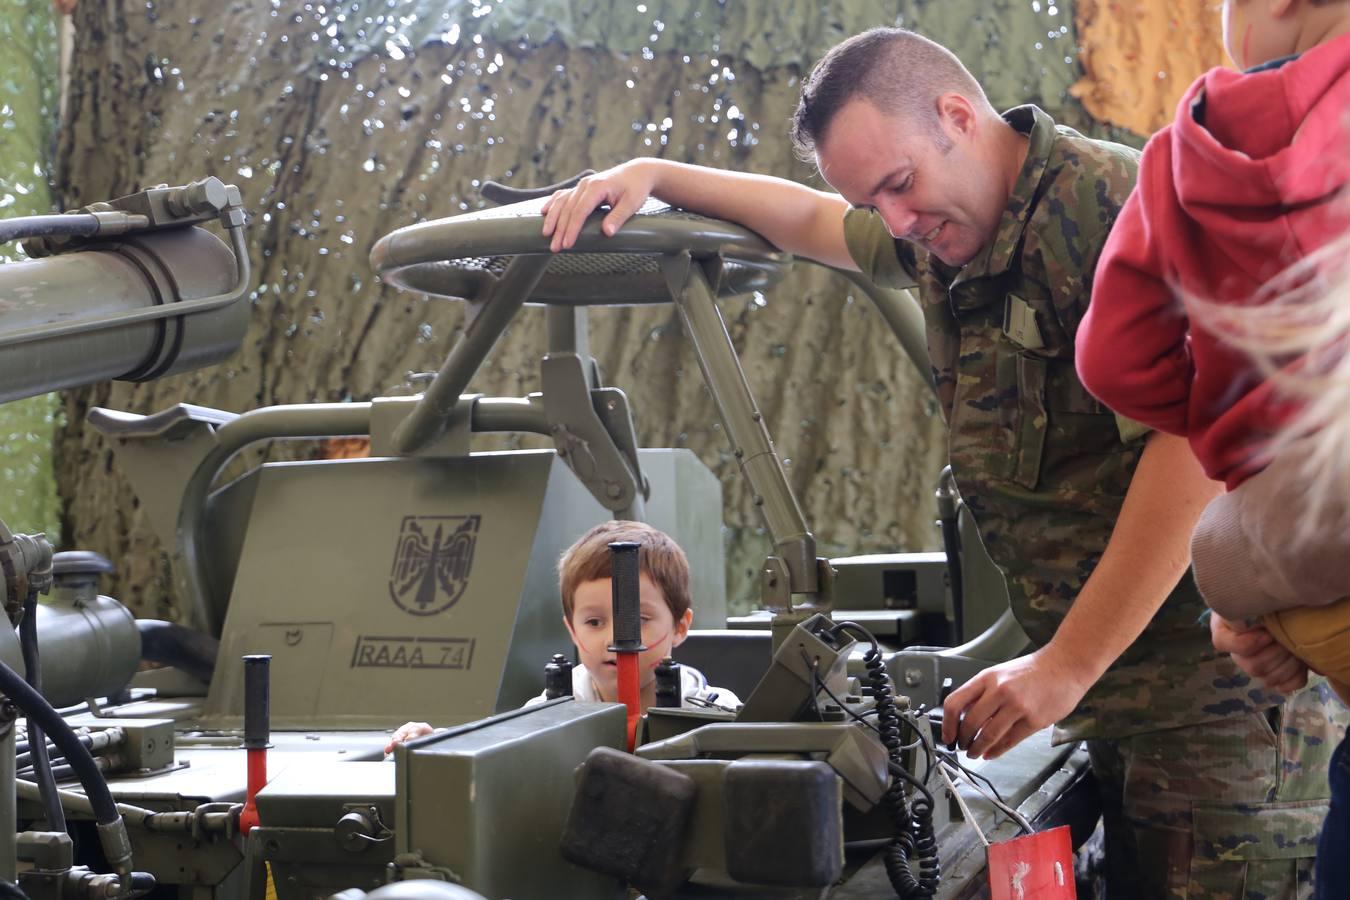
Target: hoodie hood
{"type": "Point", "coordinates": [1254, 150]}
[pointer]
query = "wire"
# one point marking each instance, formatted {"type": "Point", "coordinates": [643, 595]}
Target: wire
{"type": "Point", "coordinates": [950, 756]}
{"type": "Point", "coordinates": [1021, 820]}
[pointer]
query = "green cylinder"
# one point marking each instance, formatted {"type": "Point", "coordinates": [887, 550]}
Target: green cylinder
{"type": "Point", "coordinates": [137, 272]}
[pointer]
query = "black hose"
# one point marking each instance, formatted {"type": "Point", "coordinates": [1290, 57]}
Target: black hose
{"type": "Point", "coordinates": [41, 713]}
{"type": "Point", "coordinates": [42, 765]}
{"type": "Point", "coordinates": [192, 651]}
{"type": "Point", "coordinates": [22, 227]}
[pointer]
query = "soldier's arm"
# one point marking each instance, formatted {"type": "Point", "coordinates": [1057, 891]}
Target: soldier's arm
{"type": "Point", "coordinates": [791, 216]}
{"type": "Point", "coordinates": [1148, 553]}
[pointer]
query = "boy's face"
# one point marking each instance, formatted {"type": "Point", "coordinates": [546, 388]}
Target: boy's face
{"type": "Point", "coordinates": [1257, 31]}
{"type": "Point", "coordinates": [592, 631]}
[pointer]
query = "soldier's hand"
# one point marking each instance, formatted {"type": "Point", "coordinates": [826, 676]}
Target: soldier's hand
{"type": "Point", "coordinates": [1257, 653]}
{"type": "Point", "coordinates": [1005, 704]}
{"type": "Point", "coordinates": [406, 733]}
{"type": "Point", "coordinates": [624, 188]}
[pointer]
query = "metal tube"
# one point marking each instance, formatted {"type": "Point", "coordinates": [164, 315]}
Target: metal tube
{"type": "Point", "coordinates": [242, 275]}
{"type": "Point", "coordinates": [295, 422]}
{"type": "Point", "coordinates": [507, 296]}
{"type": "Point", "coordinates": [745, 428]}
{"type": "Point", "coordinates": [567, 332]}
{"type": "Point", "coordinates": [510, 414]}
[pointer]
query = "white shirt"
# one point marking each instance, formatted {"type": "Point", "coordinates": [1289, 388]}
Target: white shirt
{"type": "Point", "coordinates": [695, 691]}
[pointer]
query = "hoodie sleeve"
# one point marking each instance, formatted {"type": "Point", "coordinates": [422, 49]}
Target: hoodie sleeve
{"type": "Point", "coordinates": [1131, 348]}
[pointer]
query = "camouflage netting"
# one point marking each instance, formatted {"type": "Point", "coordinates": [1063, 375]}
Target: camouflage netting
{"type": "Point", "coordinates": [341, 122]}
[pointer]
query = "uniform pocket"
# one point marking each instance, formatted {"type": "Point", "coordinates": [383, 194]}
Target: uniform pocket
{"type": "Point", "coordinates": [1254, 850]}
{"type": "Point", "coordinates": [1022, 415]}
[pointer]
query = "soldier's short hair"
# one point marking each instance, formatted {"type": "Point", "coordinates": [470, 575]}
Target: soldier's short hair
{"type": "Point", "coordinates": [659, 558]}
{"type": "Point", "coordinates": [894, 69]}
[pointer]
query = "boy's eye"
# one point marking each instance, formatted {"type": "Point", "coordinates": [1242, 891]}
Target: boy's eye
{"type": "Point", "coordinates": [593, 623]}
{"type": "Point", "coordinates": [904, 185]}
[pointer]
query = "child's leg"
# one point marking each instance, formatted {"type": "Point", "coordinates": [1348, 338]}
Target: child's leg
{"type": "Point", "coordinates": [1320, 636]}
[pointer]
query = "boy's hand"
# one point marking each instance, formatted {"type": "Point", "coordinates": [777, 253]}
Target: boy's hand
{"type": "Point", "coordinates": [625, 188]}
{"type": "Point", "coordinates": [1258, 654]}
{"type": "Point", "coordinates": [406, 733]}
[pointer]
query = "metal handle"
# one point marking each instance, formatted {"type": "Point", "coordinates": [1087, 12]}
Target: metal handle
{"type": "Point", "coordinates": [501, 194]}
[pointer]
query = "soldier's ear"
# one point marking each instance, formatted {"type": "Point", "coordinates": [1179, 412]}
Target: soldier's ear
{"type": "Point", "coordinates": [956, 116]}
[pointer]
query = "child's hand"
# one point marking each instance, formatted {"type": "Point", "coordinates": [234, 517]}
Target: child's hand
{"type": "Point", "coordinates": [406, 733]}
{"type": "Point", "coordinates": [1258, 654]}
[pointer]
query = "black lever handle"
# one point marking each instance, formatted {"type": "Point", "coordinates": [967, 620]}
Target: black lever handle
{"type": "Point", "coordinates": [501, 194]}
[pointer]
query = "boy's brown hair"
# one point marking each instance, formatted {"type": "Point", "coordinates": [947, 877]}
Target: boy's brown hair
{"type": "Point", "coordinates": [659, 558]}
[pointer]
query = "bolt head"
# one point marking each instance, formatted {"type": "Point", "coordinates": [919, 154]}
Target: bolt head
{"type": "Point", "coordinates": [913, 677]}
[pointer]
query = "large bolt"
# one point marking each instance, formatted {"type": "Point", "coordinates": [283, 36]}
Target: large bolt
{"type": "Point", "coordinates": [913, 677]}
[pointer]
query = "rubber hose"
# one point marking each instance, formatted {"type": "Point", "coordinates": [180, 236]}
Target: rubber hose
{"type": "Point", "coordinates": [192, 651]}
{"type": "Point", "coordinates": [42, 764]}
{"type": "Point", "coordinates": [42, 226]}
{"type": "Point", "coordinates": [41, 713]}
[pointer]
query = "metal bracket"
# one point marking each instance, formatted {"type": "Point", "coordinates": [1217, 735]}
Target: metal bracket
{"type": "Point", "coordinates": [412, 866]}
{"type": "Point", "coordinates": [586, 441]}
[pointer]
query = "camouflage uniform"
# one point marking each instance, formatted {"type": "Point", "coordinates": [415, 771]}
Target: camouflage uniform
{"type": "Point", "coordinates": [1045, 467]}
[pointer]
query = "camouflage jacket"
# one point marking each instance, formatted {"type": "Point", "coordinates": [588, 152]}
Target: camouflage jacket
{"type": "Point", "coordinates": [1043, 466]}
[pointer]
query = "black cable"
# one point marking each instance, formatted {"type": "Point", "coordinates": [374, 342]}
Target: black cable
{"type": "Point", "coordinates": [81, 224]}
{"type": "Point", "coordinates": [41, 713]}
{"type": "Point", "coordinates": [914, 841]}
{"type": "Point", "coordinates": [952, 757]}
{"type": "Point", "coordinates": [42, 765]}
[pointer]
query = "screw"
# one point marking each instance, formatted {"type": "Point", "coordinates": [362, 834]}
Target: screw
{"type": "Point", "coordinates": [913, 677]}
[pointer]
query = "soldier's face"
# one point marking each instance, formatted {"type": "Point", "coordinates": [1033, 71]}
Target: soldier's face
{"type": "Point", "coordinates": [592, 629]}
{"type": "Point", "coordinates": [932, 186]}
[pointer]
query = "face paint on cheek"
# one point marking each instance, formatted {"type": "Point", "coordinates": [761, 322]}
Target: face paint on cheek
{"type": "Point", "coordinates": [660, 657]}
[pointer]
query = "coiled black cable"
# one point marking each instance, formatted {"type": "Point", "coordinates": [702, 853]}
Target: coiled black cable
{"type": "Point", "coordinates": [915, 843]}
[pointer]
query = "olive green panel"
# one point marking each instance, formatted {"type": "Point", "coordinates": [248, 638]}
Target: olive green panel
{"type": "Point", "coordinates": [490, 803]}
{"type": "Point", "coordinates": [373, 618]}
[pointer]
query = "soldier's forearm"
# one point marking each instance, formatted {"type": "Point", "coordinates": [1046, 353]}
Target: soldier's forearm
{"type": "Point", "coordinates": [791, 216]}
{"type": "Point", "coordinates": [1148, 553]}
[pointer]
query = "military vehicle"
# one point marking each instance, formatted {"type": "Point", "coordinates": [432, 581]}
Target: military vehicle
{"type": "Point", "coordinates": [333, 600]}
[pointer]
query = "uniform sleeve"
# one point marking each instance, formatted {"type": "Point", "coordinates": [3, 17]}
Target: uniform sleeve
{"type": "Point", "coordinates": [880, 257]}
{"type": "Point", "coordinates": [1131, 348]}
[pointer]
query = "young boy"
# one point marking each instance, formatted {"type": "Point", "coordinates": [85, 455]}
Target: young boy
{"type": "Point", "coordinates": [1242, 186]}
{"type": "Point", "coordinates": [587, 603]}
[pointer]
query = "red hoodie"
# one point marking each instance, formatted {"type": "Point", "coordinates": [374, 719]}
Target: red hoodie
{"type": "Point", "coordinates": [1239, 187]}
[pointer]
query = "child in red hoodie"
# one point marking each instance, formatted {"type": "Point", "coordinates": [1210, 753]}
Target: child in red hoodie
{"type": "Point", "coordinates": [1233, 192]}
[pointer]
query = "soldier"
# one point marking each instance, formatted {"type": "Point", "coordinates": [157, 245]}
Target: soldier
{"type": "Point", "coordinates": [1211, 785]}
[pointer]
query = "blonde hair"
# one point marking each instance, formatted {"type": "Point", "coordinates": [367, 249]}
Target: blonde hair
{"type": "Point", "coordinates": [659, 558]}
{"type": "Point", "coordinates": [1297, 329]}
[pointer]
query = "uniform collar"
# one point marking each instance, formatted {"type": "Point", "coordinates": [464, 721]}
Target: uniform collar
{"type": "Point", "coordinates": [997, 255]}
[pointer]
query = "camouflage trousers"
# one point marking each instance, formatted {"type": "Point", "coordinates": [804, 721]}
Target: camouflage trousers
{"type": "Point", "coordinates": [1227, 810]}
